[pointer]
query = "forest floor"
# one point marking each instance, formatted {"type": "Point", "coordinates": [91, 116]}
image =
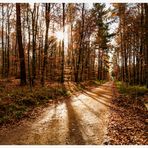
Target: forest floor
{"type": "Point", "coordinates": [80, 119]}
{"type": "Point", "coordinates": [91, 114]}
{"type": "Point", "coordinates": [129, 116]}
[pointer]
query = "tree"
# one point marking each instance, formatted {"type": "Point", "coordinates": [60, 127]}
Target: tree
{"type": "Point", "coordinates": [79, 62]}
{"type": "Point", "coordinates": [62, 62]}
{"type": "Point", "coordinates": [3, 58]}
{"type": "Point", "coordinates": [131, 43]}
{"type": "Point", "coordinates": [83, 53]}
{"type": "Point", "coordinates": [102, 38]}
{"type": "Point", "coordinates": [146, 43]}
{"type": "Point", "coordinates": [34, 36]}
{"type": "Point", "coordinates": [20, 46]}
{"type": "Point", "coordinates": [47, 17]}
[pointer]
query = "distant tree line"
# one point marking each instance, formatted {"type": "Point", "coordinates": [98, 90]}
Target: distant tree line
{"type": "Point", "coordinates": [131, 51]}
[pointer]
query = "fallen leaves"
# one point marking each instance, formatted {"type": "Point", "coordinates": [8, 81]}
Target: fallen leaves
{"type": "Point", "coordinates": [127, 122]}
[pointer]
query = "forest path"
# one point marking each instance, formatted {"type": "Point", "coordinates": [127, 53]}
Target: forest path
{"type": "Point", "coordinates": [82, 119]}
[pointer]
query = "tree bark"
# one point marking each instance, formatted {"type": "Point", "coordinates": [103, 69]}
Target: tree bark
{"type": "Point", "coordinates": [62, 62]}
{"type": "Point", "coordinates": [47, 17]}
{"type": "Point", "coordinates": [20, 46]}
{"type": "Point", "coordinates": [146, 42]}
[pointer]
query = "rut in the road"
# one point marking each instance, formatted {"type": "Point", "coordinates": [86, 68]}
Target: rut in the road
{"type": "Point", "coordinates": [83, 119]}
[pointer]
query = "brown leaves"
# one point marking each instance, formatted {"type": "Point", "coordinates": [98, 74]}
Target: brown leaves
{"type": "Point", "coordinates": [128, 123]}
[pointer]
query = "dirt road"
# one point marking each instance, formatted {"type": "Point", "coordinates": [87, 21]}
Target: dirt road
{"type": "Point", "coordinates": [82, 119]}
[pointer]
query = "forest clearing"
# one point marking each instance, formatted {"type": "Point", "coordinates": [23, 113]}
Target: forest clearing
{"type": "Point", "coordinates": [73, 73]}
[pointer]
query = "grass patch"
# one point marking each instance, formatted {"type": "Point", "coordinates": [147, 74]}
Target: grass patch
{"type": "Point", "coordinates": [99, 82]}
{"type": "Point", "coordinates": [131, 90]}
{"type": "Point", "coordinates": [16, 103]}
{"type": "Point", "coordinates": [10, 112]}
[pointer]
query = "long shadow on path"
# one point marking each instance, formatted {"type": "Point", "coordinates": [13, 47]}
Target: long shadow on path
{"type": "Point", "coordinates": [75, 134]}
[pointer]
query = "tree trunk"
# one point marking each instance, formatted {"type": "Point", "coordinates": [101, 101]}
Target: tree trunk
{"type": "Point", "coordinates": [3, 58]}
{"type": "Point", "coordinates": [20, 46]}
{"type": "Point", "coordinates": [29, 47]}
{"type": "Point", "coordinates": [79, 62]}
{"type": "Point", "coordinates": [62, 63]}
{"type": "Point", "coordinates": [146, 42]}
{"type": "Point", "coordinates": [47, 16]}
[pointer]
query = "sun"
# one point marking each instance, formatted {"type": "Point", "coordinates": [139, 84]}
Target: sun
{"type": "Point", "coordinates": [63, 36]}
{"type": "Point", "coordinates": [59, 35]}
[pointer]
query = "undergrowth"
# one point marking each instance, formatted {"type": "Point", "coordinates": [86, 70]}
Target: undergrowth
{"type": "Point", "coordinates": [16, 103]}
{"type": "Point", "coordinates": [134, 91]}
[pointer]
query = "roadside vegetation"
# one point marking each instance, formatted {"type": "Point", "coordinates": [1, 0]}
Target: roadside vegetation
{"type": "Point", "coordinates": [135, 91]}
{"type": "Point", "coordinates": [18, 102]}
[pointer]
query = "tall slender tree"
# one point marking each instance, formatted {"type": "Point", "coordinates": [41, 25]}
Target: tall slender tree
{"type": "Point", "coordinates": [20, 46]}
{"type": "Point", "coordinates": [47, 17]}
{"type": "Point", "coordinates": [62, 62]}
{"type": "Point", "coordinates": [146, 43]}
